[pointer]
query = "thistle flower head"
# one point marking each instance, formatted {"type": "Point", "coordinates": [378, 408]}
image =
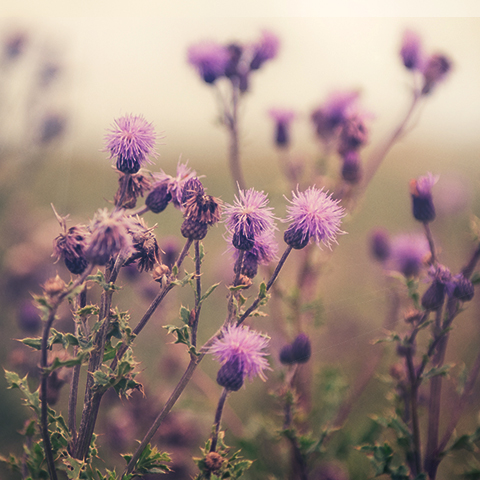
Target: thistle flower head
{"type": "Point", "coordinates": [282, 118]}
{"type": "Point", "coordinates": [174, 185]}
{"type": "Point", "coordinates": [265, 248]}
{"type": "Point", "coordinates": [409, 254]}
{"type": "Point", "coordinates": [109, 236]}
{"type": "Point", "coordinates": [411, 50]}
{"type": "Point", "coordinates": [245, 346]}
{"type": "Point", "coordinates": [265, 49]}
{"type": "Point", "coordinates": [131, 140]}
{"type": "Point", "coordinates": [422, 201]}
{"type": "Point", "coordinates": [314, 214]}
{"type": "Point", "coordinates": [210, 59]}
{"type": "Point", "coordinates": [435, 70]}
{"type": "Point", "coordinates": [249, 215]}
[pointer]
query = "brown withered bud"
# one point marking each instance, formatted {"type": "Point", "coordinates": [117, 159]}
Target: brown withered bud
{"type": "Point", "coordinates": [213, 461]}
{"type": "Point", "coordinates": [203, 208]}
{"type": "Point", "coordinates": [53, 286]}
{"type": "Point", "coordinates": [412, 316]}
{"type": "Point", "coordinates": [145, 244]}
{"type": "Point", "coordinates": [160, 272]}
{"type": "Point", "coordinates": [130, 187]}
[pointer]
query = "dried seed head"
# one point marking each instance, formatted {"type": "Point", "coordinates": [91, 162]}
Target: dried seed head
{"type": "Point", "coordinates": [213, 461]}
{"type": "Point", "coordinates": [53, 286]}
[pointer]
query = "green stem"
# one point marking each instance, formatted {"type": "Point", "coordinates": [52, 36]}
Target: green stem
{"type": "Point", "coordinates": [218, 418]}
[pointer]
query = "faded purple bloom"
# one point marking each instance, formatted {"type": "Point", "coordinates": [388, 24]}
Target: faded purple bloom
{"type": "Point", "coordinates": [210, 59]}
{"type": "Point", "coordinates": [15, 45]}
{"type": "Point", "coordinates": [354, 134]}
{"type": "Point", "coordinates": [52, 126]}
{"type": "Point", "coordinates": [380, 244]}
{"type": "Point", "coordinates": [435, 70]}
{"type": "Point", "coordinates": [409, 253]}
{"type": "Point", "coordinates": [333, 113]}
{"type": "Point", "coordinates": [411, 50]}
{"type": "Point", "coordinates": [248, 217]}
{"type": "Point", "coordinates": [109, 236]}
{"type": "Point", "coordinates": [239, 343]}
{"type": "Point", "coordinates": [461, 288]}
{"type": "Point", "coordinates": [265, 49]}
{"type": "Point", "coordinates": [301, 348]}
{"type": "Point", "coordinates": [313, 214]}
{"type": "Point", "coordinates": [351, 167]}
{"type": "Point", "coordinates": [131, 141]}
{"type": "Point", "coordinates": [422, 201]}
{"type": "Point", "coordinates": [282, 118]}
{"type": "Point", "coordinates": [174, 185]}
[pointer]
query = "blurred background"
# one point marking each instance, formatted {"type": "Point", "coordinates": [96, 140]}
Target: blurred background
{"type": "Point", "coordinates": [63, 80]}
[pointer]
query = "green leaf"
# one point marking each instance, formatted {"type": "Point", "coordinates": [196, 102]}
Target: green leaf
{"type": "Point", "coordinates": [185, 315]}
{"type": "Point", "coordinates": [263, 291]}
{"type": "Point", "coordinates": [151, 461]}
{"type": "Point", "coordinates": [209, 292]}
{"type": "Point", "coordinates": [35, 343]}
{"type": "Point", "coordinates": [436, 371]}
{"type": "Point", "coordinates": [32, 399]}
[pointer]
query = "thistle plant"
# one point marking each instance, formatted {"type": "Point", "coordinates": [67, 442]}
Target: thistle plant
{"type": "Point", "coordinates": [303, 427]}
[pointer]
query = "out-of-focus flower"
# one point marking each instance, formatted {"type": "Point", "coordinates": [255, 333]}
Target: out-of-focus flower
{"type": "Point", "coordinates": [52, 126]}
{"type": "Point", "coordinates": [435, 70]}
{"type": "Point", "coordinates": [409, 254]}
{"type": "Point", "coordinates": [265, 49]}
{"type": "Point", "coordinates": [434, 296]}
{"type": "Point", "coordinates": [333, 113]}
{"type": "Point", "coordinates": [210, 59]}
{"type": "Point", "coordinates": [299, 351]}
{"type": "Point", "coordinates": [411, 50]}
{"type": "Point", "coordinates": [462, 288]}
{"type": "Point", "coordinates": [248, 217]}
{"type": "Point", "coordinates": [28, 317]}
{"type": "Point", "coordinates": [109, 236]}
{"type": "Point", "coordinates": [380, 244]}
{"type": "Point", "coordinates": [14, 45]}
{"type": "Point", "coordinates": [282, 118]}
{"type": "Point", "coordinates": [313, 214]}
{"type": "Point", "coordinates": [131, 141]}
{"type": "Point", "coordinates": [422, 201]}
{"type": "Point", "coordinates": [354, 134]}
{"type": "Point", "coordinates": [351, 167]}
{"type": "Point", "coordinates": [243, 351]}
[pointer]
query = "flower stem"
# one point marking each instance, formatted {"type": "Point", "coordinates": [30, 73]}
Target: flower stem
{"type": "Point", "coordinates": [218, 418]}
{"type": "Point", "coordinates": [198, 294]}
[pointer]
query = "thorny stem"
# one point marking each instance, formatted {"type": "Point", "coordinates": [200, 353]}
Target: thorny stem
{"type": "Point", "coordinates": [194, 361]}
{"type": "Point", "coordinates": [198, 294]}
{"type": "Point", "coordinates": [218, 418]}
{"type": "Point", "coordinates": [72, 399]}
{"type": "Point", "coordinates": [44, 364]}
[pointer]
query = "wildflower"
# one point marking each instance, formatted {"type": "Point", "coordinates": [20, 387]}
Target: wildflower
{"type": "Point", "coordinates": [333, 113]}
{"type": "Point", "coordinates": [435, 70]}
{"type": "Point", "coordinates": [263, 252]}
{"type": "Point", "coordinates": [130, 187]}
{"type": "Point", "coordinates": [71, 246]}
{"type": "Point", "coordinates": [235, 52]}
{"type": "Point", "coordinates": [265, 49]}
{"type": "Point", "coordinates": [210, 59]}
{"type": "Point", "coordinates": [434, 296]}
{"type": "Point", "coordinates": [313, 214]}
{"type": "Point", "coordinates": [409, 253]}
{"type": "Point", "coordinates": [248, 217]}
{"type": "Point", "coordinates": [422, 202]}
{"type": "Point", "coordinates": [299, 351]}
{"type": "Point", "coordinates": [109, 236]}
{"type": "Point", "coordinates": [462, 288]}
{"type": "Point", "coordinates": [282, 119]}
{"type": "Point", "coordinates": [131, 141]}
{"type": "Point", "coordinates": [380, 244]}
{"type": "Point", "coordinates": [411, 50]}
{"type": "Point", "coordinates": [166, 186]}
{"type": "Point", "coordinates": [351, 167]}
{"type": "Point", "coordinates": [241, 350]}
{"type": "Point", "coordinates": [354, 134]}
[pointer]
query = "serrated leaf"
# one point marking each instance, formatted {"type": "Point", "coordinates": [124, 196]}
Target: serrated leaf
{"type": "Point", "coordinates": [436, 371]}
{"type": "Point", "coordinates": [35, 343]}
{"type": "Point", "coordinates": [209, 292]}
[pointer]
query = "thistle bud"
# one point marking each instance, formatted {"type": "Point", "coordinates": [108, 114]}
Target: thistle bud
{"type": "Point", "coordinates": [380, 245]}
{"type": "Point", "coordinates": [296, 238]}
{"type": "Point", "coordinates": [351, 168]}
{"type": "Point", "coordinates": [194, 229]}
{"type": "Point", "coordinates": [242, 241]}
{"type": "Point", "coordinates": [131, 186]}
{"type": "Point", "coordinates": [434, 296]}
{"type": "Point", "coordinates": [301, 349]}
{"type": "Point", "coordinates": [213, 461]}
{"type": "Point", "coordinates": [286, 355]}
{"type": "Point", "coordinates": [231, 374]}
{"type": "Point", "coordinates": [435, 71]}
{"type": "Point", "coordinates": [463, 288]}
{"type": "Point", "coordinates": [422, 201]}
{"type": "Point", "coordinates": [53, 286]}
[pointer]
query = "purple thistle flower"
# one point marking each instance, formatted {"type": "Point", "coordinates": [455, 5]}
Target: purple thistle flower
{"type": "Point", "coordinates": [131, 141]}
{"type": "Point", "coordinates": [380, 244]}
{"type": "Point", "coordinates": [333, 113]}
{"type": "Point", "coordinates": [313, 214]}
{"type": "Point", "coordinates": [245, 346]}
{"type": "Point", "coordinates": [422, 201]}
{"type": "Point", "coordinates": [434, 71]}
{"type": "Point", "coordinates": [282, 118]}
{"type": "Point", "coordinates": [248, 217]}
{"type": "Point", "coordinates": [265, 49]}
{"type": "Point", "coordinates": [174, 185]}
{"type": "Point", "coordinates": [411, 50]}
{"type": "Point", "coordinates": [109, 236]}
{"type": "Point", "coordinates": [210, 59]}
{"type": "Point", "coordinates": [409, 253]}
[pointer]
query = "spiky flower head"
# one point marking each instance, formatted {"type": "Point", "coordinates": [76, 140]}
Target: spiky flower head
{"type": "Point", "coordinates": [210, 59]}
{"type": "Point", "coordinates": [131, 141]}
{"type": "Point", "coordinates": [109, 236]}
{"type": "Point", "coordinates": [245, 346]}
{"type": "Point", "coordinates": [265, 49]}
{"type": "Point", "coordinates": [248, 217]}
{"type": "Point", "coordinates": [313, 214]}
{"type": "Point", "coordinates": [283, 118]}
{"type": "Point", "coordinates": [411, 50]}
{"type": "Point", "coordinates": [145, 244]}
{"type": "Point", "coordinates": [409, 254]}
